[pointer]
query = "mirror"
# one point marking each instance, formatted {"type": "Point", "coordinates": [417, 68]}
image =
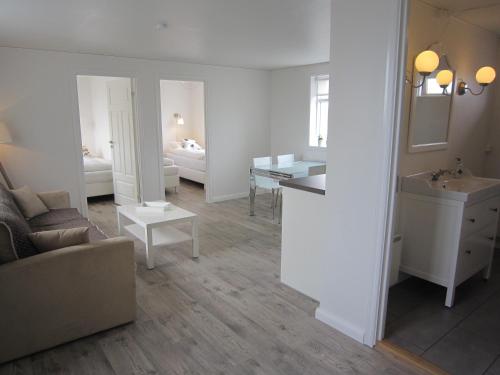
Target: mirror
{"type": "Point", "coordinates": [429, 114]}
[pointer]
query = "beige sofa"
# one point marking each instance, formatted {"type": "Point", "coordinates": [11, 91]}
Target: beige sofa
{"type": "Point", "coordinates": [61, 295]}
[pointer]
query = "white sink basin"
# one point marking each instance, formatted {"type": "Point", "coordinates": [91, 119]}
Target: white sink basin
{"type": "Point", "coordinates": [466, 189]}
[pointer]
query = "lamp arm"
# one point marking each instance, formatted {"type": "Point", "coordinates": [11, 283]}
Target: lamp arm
{"type": "Point", "coordinates": [476, 93]}
{"type": "Point", "coordinates": [462, 89]}
{"type": "Point", "coordinates": [417, 86]}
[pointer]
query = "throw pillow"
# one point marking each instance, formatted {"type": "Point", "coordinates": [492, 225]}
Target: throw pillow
{"type": "Point", "coordinates": [57, 239]}
{"type": "Point", "coordinates": [28, 202]}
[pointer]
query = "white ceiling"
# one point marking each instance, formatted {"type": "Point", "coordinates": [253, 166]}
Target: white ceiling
{"type": "Point", "coordinates": [247, 33]}
{"type": "Point", "coordinates": [483, 13]}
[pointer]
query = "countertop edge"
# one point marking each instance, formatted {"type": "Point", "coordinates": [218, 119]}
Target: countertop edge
{"type": "Point", "coordinates": [311, 184]}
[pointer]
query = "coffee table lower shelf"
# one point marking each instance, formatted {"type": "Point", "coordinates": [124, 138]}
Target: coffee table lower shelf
{"type": "Point", "coordinates": [162, 236]}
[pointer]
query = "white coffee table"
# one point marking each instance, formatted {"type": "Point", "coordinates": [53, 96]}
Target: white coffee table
{"type": "Point", "coordinates": [154, 229]}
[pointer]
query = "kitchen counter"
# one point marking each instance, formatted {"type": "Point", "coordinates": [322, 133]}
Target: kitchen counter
{"type": "Point", "coordinates": [312, 184]}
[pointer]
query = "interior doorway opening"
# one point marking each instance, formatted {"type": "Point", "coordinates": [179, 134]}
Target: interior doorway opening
{"type": "Point", "coordinates": [108, 138]}
{"type": "Point", "coordinates": [183, 128]}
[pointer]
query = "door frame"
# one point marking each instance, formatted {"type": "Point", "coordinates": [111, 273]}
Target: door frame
{"type": "Point", "coordinates": [184, 78]}
{"type": "Point", "coordinates": [77, 139]}
{"type": "Point", "coordinates": [379, 296]}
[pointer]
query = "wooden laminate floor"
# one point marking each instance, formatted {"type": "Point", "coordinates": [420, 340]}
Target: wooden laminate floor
{"type": "Point", "coordinates": [226, 313]}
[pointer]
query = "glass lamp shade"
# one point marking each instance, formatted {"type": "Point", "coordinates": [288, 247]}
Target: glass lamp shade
{"type": "Point", "coordinates": [426, 62]}
{"type": "Point", "coordinates": [485, 75]}
{"type": "Point", "coordinates": [444, 78]}
{"type": "Point", "coordinates": [180, 121]}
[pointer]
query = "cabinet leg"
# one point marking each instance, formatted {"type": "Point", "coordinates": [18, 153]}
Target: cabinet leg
{"type": "Point", "coordinates": [450, 297]}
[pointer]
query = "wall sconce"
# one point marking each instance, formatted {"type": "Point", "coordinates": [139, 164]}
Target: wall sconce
{"type": "Point", "coordinates": [178, 117]}
{"type": "Point", "coordinates": [425, 63]}
{"type": "Point", "coordinates": [484, 76]}
{"type": "Point", "coordinates": [444, 78]}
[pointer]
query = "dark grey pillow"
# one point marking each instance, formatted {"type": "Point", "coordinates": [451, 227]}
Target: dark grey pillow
{"type": "Point", "coordinates": [16, 223]}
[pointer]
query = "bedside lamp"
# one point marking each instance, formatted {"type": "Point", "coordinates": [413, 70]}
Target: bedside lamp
{"type": "Point", "coordinates": [178, 117]}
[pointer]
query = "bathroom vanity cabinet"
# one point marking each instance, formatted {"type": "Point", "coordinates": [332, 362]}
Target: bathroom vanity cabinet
{"type": "Point", "coordinates": [448, 237]}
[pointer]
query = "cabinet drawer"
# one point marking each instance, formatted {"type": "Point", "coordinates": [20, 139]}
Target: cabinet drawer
{"type": "Point", "coordinates": [475, 253]}
{"type": "Point", "coordinates": [479, 215]}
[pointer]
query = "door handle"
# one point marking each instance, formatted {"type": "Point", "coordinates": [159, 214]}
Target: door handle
{"type": "Point", "coordinates": [494, 209]}
{"type": "Point", "coordinates": [472, 220]}
{"type": "Point", "coordinates": [468, 252]}
{"type": "Point", "coordinates": [491, 238]}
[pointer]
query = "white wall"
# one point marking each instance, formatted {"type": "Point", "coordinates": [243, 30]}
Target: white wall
{"type": "Point", "coordinates": [102, 130]}
{"type": "Point", "coordinates": [86, 113]}
{"type": "Point", "coordinates": [38, 101]}
{"type": "Point", "coordinates": [290, 102]}
{"type": "Point", "coordinates": [343, 273]}
{"type": "Point", "coordinates": [468, 47]}
{"type": "Point", "coordinates": [492, 168]}
{"type": "Point", "coordinates": [186, 98]}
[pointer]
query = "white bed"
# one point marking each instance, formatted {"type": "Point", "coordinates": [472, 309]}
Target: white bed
{"type": "Point", "coordinates": [98, 176]}
{"type": "Point", "coordinates": [191, 163]}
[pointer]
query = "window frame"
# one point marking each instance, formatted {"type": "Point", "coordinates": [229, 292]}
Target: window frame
{"type": "Point", "coordinates": [314, 104]}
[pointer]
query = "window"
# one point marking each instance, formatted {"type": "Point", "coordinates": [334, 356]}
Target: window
{"type": "Point", "coordinates": [431, 87]}
{"type": "Point", "coordinates": [318, 126]}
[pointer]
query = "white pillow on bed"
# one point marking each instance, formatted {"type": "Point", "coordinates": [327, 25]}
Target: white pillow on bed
{"type": "Point", "coordinates": [190, 144]}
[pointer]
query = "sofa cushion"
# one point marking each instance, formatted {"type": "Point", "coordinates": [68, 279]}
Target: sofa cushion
{"type": "Point", "coordinates": [95, 234]}
{"type": "Point", "coordinates": [15, 224]}
{"type": "Point", "coordinates": [28, 202]}
{"type": "Point", "coordinates": [59, 238]}
{"type": "Point", "coordinates": [55, 217]}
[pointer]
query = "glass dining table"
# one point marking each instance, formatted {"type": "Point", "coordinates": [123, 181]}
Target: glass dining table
{"type": "Point", "coordinates": [285, 171]}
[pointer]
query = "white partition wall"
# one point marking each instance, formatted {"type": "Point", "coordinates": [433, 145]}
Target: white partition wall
{"type": "Point", "coordinates": [365, 77]}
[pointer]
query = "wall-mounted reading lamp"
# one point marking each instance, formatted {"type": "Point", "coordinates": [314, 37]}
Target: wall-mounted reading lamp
{"type": "Point", "coordinates": [425, 63]}
{"type": "Point", "coordinates": [484, 76]}
{"type": "Point", "coordinates": [178, 117]}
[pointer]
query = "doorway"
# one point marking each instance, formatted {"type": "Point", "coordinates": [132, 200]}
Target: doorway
{"type": "Point", "coordinates": [183, 128]}
{"type": "Point", "coordinates": [108, 138]}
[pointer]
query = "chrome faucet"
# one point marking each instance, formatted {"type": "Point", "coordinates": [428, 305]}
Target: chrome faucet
{"type": "Point", "coordinates": [439, 173]}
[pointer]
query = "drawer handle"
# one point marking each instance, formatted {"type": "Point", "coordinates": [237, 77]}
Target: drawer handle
{"type": "Point", "coordinates": [494, 209]}
{"type": "Point", "coordinates": [491, 238]}
{"type": "Point", "coordinates": [472, 220]}
{"type": "Point", "coordinates": [468, 252]}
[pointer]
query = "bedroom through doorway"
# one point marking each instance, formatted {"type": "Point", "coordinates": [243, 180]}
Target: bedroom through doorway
{"type": "Point", "coordinates": [183, 134]}
{"type": "Point", "coordinates": [106, 109]}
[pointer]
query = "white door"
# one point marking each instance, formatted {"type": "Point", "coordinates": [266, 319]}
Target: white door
{"type": "Point", "coordinates": [122, 142]}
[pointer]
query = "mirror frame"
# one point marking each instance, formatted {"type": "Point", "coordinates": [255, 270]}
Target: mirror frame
{"type": "Point", "coordinates": [426, 147]}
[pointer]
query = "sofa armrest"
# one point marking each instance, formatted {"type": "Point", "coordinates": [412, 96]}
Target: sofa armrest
{"type": "Point", "coordinates": [65, 294]}
{"type": "Point", "coordinates": [55, 199]}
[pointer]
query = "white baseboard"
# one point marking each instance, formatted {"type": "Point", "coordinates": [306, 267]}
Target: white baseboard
{"type": "Point", "coordinates": [340, 324]}
{"type": "Point", "coordinates": [222, 198]}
